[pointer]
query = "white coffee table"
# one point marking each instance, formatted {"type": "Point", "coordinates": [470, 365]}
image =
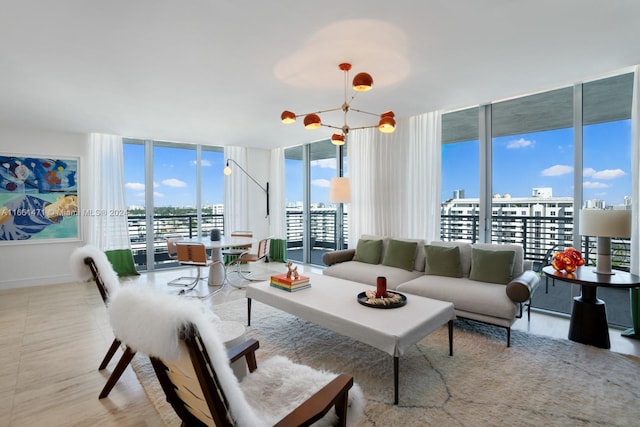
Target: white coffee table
{"type": "Point", "coordinates": [332, 303]}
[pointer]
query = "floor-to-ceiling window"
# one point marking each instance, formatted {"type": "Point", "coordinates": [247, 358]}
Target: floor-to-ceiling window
{"type": "Point", "coordinates": [313, 224]}
{"type": "Point", "coordinates": [460, 172]}
{"type": "Point", "coordinates": [172, 189]}
{"type": "Point", "coordinates": [542, 157]}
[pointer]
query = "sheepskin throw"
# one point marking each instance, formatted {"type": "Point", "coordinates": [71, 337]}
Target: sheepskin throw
{"type": "Point", "coordinates": [149, 322]}
{"type": "Point", "coordinates": [82, 273]}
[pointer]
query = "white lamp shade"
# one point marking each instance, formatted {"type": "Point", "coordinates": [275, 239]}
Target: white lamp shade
{"type": "Point", "coordinates": [605, 223]}
{"type": "Point", "coordinates": [340, 190]}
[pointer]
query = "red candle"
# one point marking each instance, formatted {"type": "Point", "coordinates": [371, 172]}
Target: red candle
{"type": "Point", "coordinates": [381, 287]}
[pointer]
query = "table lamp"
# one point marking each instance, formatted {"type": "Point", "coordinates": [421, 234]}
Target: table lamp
{"type": "Point", "coordinates": [605, 224]}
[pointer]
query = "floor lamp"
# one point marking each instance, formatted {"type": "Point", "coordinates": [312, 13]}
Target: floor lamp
{"type": "Point", "coordinates": [340, 193]}
{"type": "Point", "coordinates": [227, 171]}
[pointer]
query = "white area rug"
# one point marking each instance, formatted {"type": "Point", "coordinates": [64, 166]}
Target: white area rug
{"type": "Point", "coordinates": [538, 381]}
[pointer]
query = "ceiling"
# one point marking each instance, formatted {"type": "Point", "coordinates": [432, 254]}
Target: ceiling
{"type": "Point", "coordinates": [221, 72]}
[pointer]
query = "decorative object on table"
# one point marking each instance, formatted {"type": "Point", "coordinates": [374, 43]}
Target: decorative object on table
{"type": "Point", "coordinates": [605, 224]}
{"type": "Point", "coordinates": [362, 82]}
{"type": "Point", "coordinates": [290, 281]}
{"type": "Point", "coordinates": [292, 272]}
{"type": "Point", "coordinates": [381, 287]}
{"type": "Point", "coordinates": [369, 298]}
{"type": "Point", "coordinates": [215, 235]}
{"type": "Point", "coordinates": [284, 282]}
{"type": "Point", "coordinates": [568, 260]}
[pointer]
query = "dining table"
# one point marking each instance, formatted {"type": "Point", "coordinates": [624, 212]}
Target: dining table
{"type": "Point", "coordinates": [217, 271]}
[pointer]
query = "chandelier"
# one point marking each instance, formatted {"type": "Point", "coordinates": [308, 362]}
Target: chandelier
{"type": "Point", "coordinates": [362, 82]}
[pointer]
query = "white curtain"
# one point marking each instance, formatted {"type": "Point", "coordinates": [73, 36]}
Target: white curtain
{"type": "Point", "coordinates": [635, 165]}
{"type": "Point", "coordinates": [395, 180]}
{"type": "Point", "coordinates": [105, 211]}
{"type": "Point", "coordinates": [277, 200]}
{"type": "Point", "coordinates": [236, 198]}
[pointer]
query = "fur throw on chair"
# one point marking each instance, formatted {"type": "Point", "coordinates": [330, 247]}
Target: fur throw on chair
{"type": "Point", "coordinates": [149, 322]}
{"type": "Point", "coordinates": [82, 273]}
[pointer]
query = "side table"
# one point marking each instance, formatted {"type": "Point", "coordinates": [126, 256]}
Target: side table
{"type": "Point", "coordinates": [232, 333]}
{"type": "Point", "coordinates": [589, 316]}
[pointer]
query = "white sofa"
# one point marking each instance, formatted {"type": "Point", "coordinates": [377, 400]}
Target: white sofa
{"type": "Point", "coordinates": [493, 303]}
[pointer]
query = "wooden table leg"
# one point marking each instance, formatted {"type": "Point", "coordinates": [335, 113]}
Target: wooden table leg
{"type": "Point", "coordinates": [248, 311]}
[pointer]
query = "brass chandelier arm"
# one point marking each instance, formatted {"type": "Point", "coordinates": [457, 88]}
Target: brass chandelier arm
{"type": "Point", "coordinates": [366, 112]}
{"type": "Point", "coordinates": [319, 112]}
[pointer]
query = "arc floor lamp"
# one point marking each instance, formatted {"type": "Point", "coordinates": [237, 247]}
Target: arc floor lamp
{"type": "Point", "coordinates": [227, 171]}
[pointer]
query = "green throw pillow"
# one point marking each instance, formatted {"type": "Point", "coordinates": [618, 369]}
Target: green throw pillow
{"type": "Point", "coordinates": [442, 261]}
{"type": "Point", "coordinates": [492, 266]}
{"type": "Point", "coordinates": [400, 254]}
{"type": "Point", "coordinates": [122, 262]}
{"type": "Point", "coordinates": [368, 251]}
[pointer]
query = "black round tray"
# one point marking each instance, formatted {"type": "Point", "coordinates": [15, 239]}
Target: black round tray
{"type": "Point", "coordinates": [362, 299]}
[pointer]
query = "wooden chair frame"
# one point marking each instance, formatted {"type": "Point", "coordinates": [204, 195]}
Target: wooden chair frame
{"type": "Point", "coordinates": [127, 354]}
{"type": "Point", "coordinates": [335, 394]}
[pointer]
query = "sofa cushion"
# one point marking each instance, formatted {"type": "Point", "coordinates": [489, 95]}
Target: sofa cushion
{"type": "Point", "coordinates": [442, 261]}
{"type": "Point", "coordinates": [518, 266]}
{"type": "Point", "coordinates": [368, 273]}
{"type": "Point", "coordinates": [401, 254]}
{"type": "Point", "coordinates": [492, 266]}
{"type": "Point", "coordinates": [368, 251]}
{"type": "Point", "coordinates": [465, 254]}
{"type": "Point", "coordinates": [487, 299]}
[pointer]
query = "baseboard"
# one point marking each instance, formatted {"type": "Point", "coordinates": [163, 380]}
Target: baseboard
{"type": "Point", "coordinates": [37, 281]}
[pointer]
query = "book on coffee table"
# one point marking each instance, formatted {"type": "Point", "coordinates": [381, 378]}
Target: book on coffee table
{"type": "Point", "coordinates": [281, 281]}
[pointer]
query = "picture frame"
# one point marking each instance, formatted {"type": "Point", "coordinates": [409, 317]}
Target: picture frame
{"type": "Point", "coordinates": [39, 199]}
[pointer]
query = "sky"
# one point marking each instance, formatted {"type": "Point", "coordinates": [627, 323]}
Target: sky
{"type": "Point", "coordinates": [545, 159]}
{"type": "Point", "coordinates": [520, 163]}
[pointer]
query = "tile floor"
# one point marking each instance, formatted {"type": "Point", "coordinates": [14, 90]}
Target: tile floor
{"type": "Point", "coordinates": [52, 339]}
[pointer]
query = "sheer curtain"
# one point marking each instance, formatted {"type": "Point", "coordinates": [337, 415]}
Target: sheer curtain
{"type": "Point", "coordinates": [106, 210]}
{"type": "Point", "coordinates": [236, 199]}
{"type": "Point", "coordinates": [277, 217]}
{"type": "Point", "coordinates": [395, 180]}
{"type": "Point", "coordinates": [635, 165]}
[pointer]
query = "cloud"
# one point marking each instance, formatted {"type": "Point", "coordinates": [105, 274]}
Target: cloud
{"type": "Point", "coordinates": [173, 182]}
{"type": "Point", "coordinates": [321, 183]}
{"type": "Point", "coordinates": [520, 143]}
{"type": "Point", "coordinates": [203, 162]}
{"type": "Point", "coordinates": [608, 174]}
{"type": "Point", "coordinates": [588, 172]}
{"type": "Point", "coordinates": [557, 170]}
{"type": "Point", "coordinates": [136, 186]}
{"type": "Point", "coordinates": [590, 184]}
{"type": "Point", "coordinates": [324, 163]}
{"type": "Point", "coordinates": [157, 194]}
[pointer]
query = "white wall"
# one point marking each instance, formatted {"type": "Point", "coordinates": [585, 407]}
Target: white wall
{"type": "Point", "coordinates": [32, 264]}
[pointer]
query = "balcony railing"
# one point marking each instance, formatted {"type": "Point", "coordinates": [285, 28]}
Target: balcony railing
{"type": "Point", "coordinates": [536, 234]}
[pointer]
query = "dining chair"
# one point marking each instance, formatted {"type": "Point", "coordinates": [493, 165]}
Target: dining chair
{"type": "Point", "coordinates": [230, 254]}
{"type": "Point", "coordinates": [172, 252]}
{"type": "Point", "coordinates": [247, 257]}
{"type": "Point", "coordinates": [108, 284]}
{"type": "Point", "coordinates": [193, 368]}
{"type": "Point", "coordinates": [195, 255]}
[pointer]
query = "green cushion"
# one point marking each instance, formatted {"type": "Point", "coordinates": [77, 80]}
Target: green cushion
{"type": "Point", "coordinates": [368, 251]}
{"type": "Point", "coordinates": [492, 266]}
{"type": "Point", "coordinates": [400, 254]}
{"type": "Point", "coordinates": [122, 262]}
{"type": "Point", "coordinates": [442, 261]}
